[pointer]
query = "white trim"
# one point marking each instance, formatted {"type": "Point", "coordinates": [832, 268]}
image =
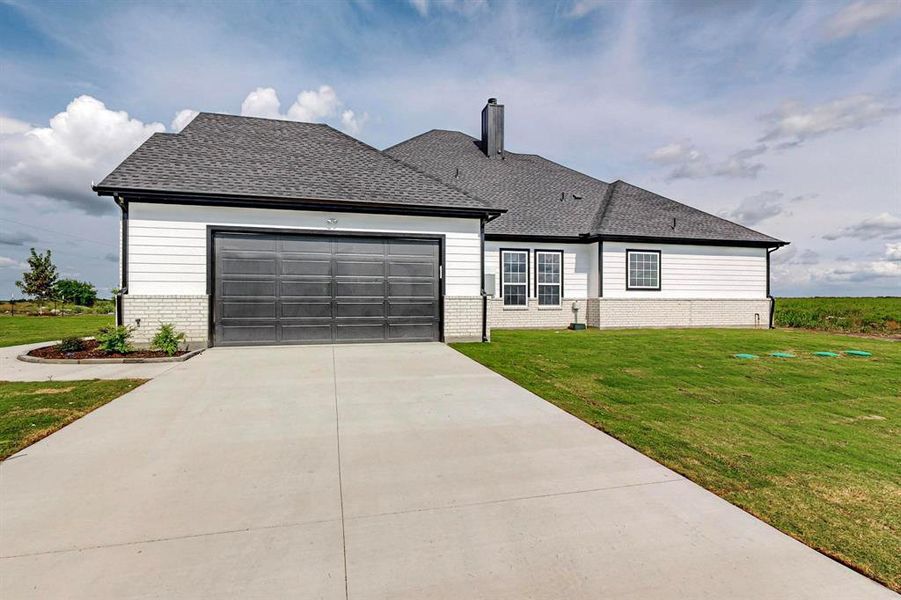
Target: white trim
{"type": "Point", "coordinates": [559, 284]}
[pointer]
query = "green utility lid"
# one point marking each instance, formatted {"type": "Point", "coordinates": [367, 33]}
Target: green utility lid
{"type": "Point", "coordinates": [782, 354]}
{"type": "Point", "coordinates": [857, 353]}
{"type": "Point", "coordinates": [745, 356]}
{"type": "Point", "coordinates": [829, 354]}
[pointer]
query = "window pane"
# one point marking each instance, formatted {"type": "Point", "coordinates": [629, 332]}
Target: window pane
{"type": "Point", "coordinates": [549, 295]}
{"type": "Point", "coordinates": [514, 295]}
{"type": "Point", "coordinates": [644, 269]}
{"type": "Point", "coordinates": [515, 267]}
{"type": "Point", "coordinates": [548, 267]}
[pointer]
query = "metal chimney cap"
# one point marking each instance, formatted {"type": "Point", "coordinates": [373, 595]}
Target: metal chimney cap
{"type": "Point", "coordinates": [492, 100]}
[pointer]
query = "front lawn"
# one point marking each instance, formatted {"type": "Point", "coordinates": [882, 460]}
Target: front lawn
{"type": "Point", "coordinates": [33, 410]}
{"type": "Point", "coordinates": [26, 329]}
{"type": "Point", "coordinates": [811, 445]}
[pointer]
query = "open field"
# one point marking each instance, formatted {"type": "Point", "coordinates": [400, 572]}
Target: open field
{"type": "Point", "coordinates": [21, 329]}
{"type": "Point", "coordinates": [808, 444]}
{"type": "Point", "coordinates": [30, 411]}
{"type": "Point", "coordinates": [880, 316]}
{"type": "Point", "coordinates": [29, 307]}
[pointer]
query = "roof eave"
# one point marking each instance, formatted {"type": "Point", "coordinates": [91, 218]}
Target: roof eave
{"type": "Point", "coordinates": [291, 203]}
{"type": "Point", "coordinates": [586, 238]}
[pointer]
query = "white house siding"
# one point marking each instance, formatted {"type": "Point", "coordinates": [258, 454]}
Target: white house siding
{"type": "Point", "coordinates": [691, 272]}
{"type": "Point", "coordinates": [167, 254]}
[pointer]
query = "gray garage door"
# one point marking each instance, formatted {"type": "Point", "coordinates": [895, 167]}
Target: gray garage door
{"type": "Point", "coordinates": [297, 289]}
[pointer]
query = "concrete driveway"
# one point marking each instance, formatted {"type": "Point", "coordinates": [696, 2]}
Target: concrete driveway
{"type": "Point", "coordinates": [381, 471]}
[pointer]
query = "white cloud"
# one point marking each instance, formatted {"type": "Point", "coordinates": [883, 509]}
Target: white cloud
{"type": "Point", "coordinates": [10, 263]}
{"type": "Point", "coordinates": [688, 162]}
{"type": "Point", "coordinates": [82, 143]}
{"type": "Point", "coordinates": [314, 105]}
{"type": "Point", "coordinates": [421, 6]}
{"type": "Point", "coordinates": [182, 118]}
{"type": "Point", "coordinates": [893, 251]}
{"type": "Point", "coordinates": [311, 106]}
{"type": "Point", "coordinates": [351, 123]}
{"type": "Point", "coordinates": [262, 102]}
{"type": "Point", "coordinates": [463, 7]}
{"type": "Point", "coordinates": [884, 225]}
{"type": "Point", "coordinates": [754, 209]}
{"type": "Point", "coordinates": [580, 8]}
{"type": "Point", "coordinates": [16, 238]}
{"type": "Point", "coordinates": [861, 272]}
{"type": "Point", "coordinates": [861, 15]}
{"type": "Point", "coordinates": [10, 126]}
{"type": "Point", "coordinates": [796, 123]}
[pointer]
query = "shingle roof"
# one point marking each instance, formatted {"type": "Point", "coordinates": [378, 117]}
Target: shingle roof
{"type": "Point", "coordinates": [544, 198]}
{"type": "Point", "coordinates": [245, 156]}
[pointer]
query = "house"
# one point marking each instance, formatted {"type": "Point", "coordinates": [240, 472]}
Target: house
{"type": "Point", "coordinates": [245, 231]}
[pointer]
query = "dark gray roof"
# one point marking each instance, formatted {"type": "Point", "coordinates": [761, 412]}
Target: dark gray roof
{"type": "Point", "coordinates": [244, 156]}
{"type": "Point", "coordinates": [544, 198]}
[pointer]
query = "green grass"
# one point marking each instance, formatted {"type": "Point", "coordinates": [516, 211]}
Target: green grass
{"type": "Point", "coordinates": [810, 445]}
{"type": "Point", "coordinates": [32, 410]}
{"type": "Point", "coordinates": [881, 316]}
{"type": "Point", "coordinates": [21, 329]}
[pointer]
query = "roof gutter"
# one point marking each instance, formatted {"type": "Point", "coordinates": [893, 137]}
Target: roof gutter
{"type": "Point", "coordinates": [329, 204]}
{"type": "Point", "coordinates": [584, 238]}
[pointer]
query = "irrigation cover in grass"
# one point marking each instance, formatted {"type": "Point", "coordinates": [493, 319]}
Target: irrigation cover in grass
{"type": "Point", "coordinates": [745, 356]}
{"type": "Point", "coordinates": [829, 354]}
{"type": "Point", "coordinates": [857, 353]}
{"type": "Point", "coordinates": [782, 354]}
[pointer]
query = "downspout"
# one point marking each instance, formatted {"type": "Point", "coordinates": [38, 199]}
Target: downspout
{"type": "Point", "coordinates": [768, 294]}
{"type": "Point", "coordinates": [482, 270]}
{"type": "Point", "coordinates": [123, 273]}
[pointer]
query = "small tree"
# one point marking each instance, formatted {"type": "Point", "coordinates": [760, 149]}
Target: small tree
{"type": "Point", "coordinates": [40, 280]}
{"type": "Point", "coordinates": [77, 292]}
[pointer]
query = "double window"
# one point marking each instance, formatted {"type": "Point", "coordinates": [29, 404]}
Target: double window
{"type": "Point", "coordinates": [643, 270]}
{"type": "Point", "coordinates": [548, 277]}
{"type": "Point", "coordinates": [515, 277]}
{"type": "Point", "coordinates": [515, 265]}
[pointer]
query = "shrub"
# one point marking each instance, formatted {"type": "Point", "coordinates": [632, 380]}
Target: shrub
{"type": "Point", "coordinates": [167, 339]}
{"type": "Point", "coordinates": [71, 344]}
{"type": "Point", "coordinates": [115, 340]}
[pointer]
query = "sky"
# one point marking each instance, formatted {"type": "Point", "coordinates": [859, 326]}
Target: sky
{"type": "Point", "coordinates": [785, 117]}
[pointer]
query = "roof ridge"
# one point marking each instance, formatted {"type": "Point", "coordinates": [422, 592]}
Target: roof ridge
{"type": "Point", "coordinates": [605, 203]}
{"type": "Point", "coordinates": [254, 118]}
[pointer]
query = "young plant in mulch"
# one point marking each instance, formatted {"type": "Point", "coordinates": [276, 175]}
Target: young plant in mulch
{"type": "Point", "coordinates": [71, 344]}
{"type": "Point", "coordinates": [168, 340]}
{"type": "Point", "coordinates": [115, 340]}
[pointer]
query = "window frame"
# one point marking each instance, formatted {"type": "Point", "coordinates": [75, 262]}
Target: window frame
{"type": "Point", "coordinates": [559, 284]}
{"type": "Point", "coordinates": [629, 252]}
{"type": "Point", "coordinates": [527, 283]}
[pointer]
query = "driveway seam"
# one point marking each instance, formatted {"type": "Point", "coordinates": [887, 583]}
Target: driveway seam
{"type": "Point", "coordinates": [169, 539]}
{"type": "Point", "coordinates": [340, 481]}
{"type": "Point", "coordinates": [514, 499]}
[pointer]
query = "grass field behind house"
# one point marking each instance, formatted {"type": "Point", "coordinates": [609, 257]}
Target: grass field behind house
{"type": "Point", "coordinates": [880, 316]}
{"type": "Point", "coordinates": [30, 411]}
{"type": "Point", "coordinates": [23, 329]}
{"type": "Point", "coordinates": [810, 445]}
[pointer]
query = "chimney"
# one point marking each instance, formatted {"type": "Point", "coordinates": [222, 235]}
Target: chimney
{"type": "Point", "coordinates": [493, 129]}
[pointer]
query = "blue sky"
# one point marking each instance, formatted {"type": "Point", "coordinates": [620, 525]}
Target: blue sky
{"type": "Point", "coordinates": [783, 116]}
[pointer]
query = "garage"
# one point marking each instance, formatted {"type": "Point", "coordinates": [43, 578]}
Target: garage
{"type": "Point", "coordinates": [283, 288]}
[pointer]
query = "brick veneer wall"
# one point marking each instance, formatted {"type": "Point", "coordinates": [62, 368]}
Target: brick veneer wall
{"type": "Point", "coordinates": [533, 316]}
{"type": "Point", "coordinates": [646, 312]}
{"type": "Point", "coordinates": [187, 313]}
{"type": "Point", "coordinates": [463, 319]}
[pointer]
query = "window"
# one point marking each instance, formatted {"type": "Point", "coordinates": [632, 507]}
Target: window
{"type": "Point", "coordinates": [643, 268]}
{"type": "Point", "coordinates": [515, 277]}
{"type": "Point", "coordinates": [548, 277]}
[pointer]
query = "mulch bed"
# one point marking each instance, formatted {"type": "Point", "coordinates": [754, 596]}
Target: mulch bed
{"type": "Point", "coordinates": [92, 350]}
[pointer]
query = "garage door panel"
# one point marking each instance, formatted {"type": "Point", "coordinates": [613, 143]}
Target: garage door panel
{"type": "Point", "coordinates": [415, 289]}
{"type": "Point", "coordinates": [373, 267]}
{"type": "Point", "coordinates": [309, 333]}
{"type": "Point", "coordinates": [318, 288]}
{"type": "Point", "coordinates": [306, 309]}
{"type": "Point", "coordinates": [249, 266]}
{"type": "Point", "coordinates": [296, 289]}
{"type": "Point", "coordinates": [297, 265]}
{"type": "Point", "coordinates": [249, 310]}
{"type": "Point", "coordinates": [412, 248]}
{"type": "Point", "coordinates": [375, 308]}
{"type": "Point", "coordinates": [411, 269]}
{"type": "Point", "coordinates": [249, 288]}
{"type": "Point", "coordinates": [352, 289]}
